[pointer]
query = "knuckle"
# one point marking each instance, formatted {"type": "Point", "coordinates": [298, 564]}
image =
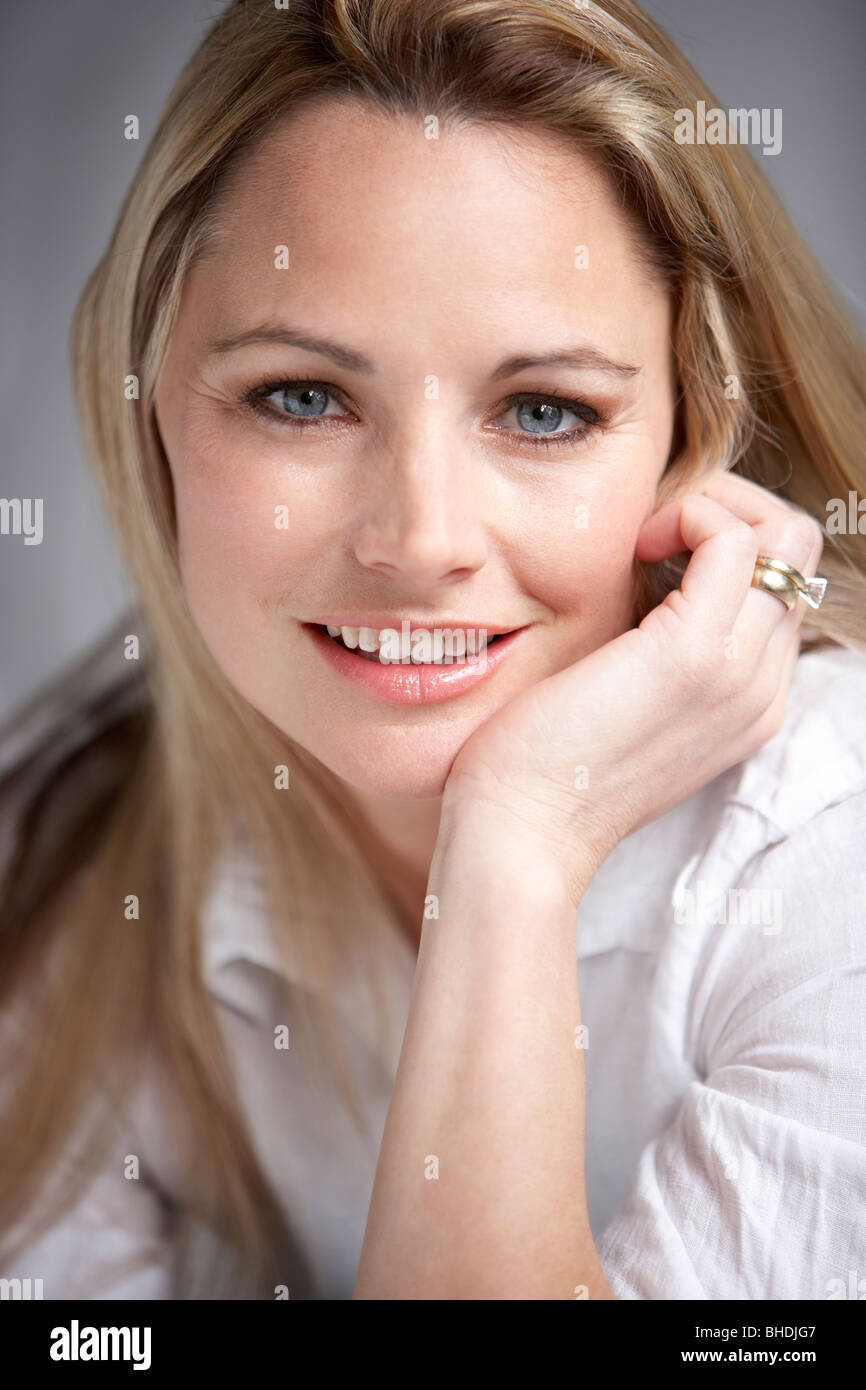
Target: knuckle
{"type": "Point", "coordinates": [764, 697]}
{"type": "Point", "coordinates": [802, 536]}
{"type": "Point", "coordinates": [743, 538]}
{"type": "Point", "coordinates": [701, 666]}
{"type": "Point", "coordinates": [771, 721]}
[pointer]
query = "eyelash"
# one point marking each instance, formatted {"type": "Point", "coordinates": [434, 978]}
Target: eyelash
{"type": "Point", "coordinates": [254, 399]}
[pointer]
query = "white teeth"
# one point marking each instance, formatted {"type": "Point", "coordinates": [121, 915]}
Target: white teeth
{"type": "Point", "coordinates": [436, 649]}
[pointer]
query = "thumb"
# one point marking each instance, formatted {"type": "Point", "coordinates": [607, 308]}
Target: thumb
{"type": "Point", "coordinates": [660, 536]}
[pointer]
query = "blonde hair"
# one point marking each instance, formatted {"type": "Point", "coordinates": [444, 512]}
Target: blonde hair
{"type": "Point", "coordinates": [751, 306]}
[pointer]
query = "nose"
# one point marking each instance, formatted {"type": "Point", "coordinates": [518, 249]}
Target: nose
{"type": "Point", "coordinates": [419, 518]}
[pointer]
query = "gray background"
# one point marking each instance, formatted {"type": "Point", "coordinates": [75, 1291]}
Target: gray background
{"type": "Point", "coordinates": [71, 70]}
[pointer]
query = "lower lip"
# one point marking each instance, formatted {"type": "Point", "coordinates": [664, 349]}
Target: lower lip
{"type": "Point", "coordinates": [413, 685]}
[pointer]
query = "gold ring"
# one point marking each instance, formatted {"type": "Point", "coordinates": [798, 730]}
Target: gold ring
{"type": "Point", "coordinates": [786, 583]}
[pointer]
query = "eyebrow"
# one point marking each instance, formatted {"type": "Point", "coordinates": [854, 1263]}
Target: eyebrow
{"type": "Point", "coordinates": [291, 337]}
{"type": "Point", "coordinates": [575, 355]}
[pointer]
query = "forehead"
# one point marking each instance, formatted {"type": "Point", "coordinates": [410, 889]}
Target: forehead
{"type": "Point", "coordinates": [485, 219]}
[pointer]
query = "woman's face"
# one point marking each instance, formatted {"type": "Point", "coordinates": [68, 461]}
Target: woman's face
{"type": "Point", "coordinates": [488, 413]}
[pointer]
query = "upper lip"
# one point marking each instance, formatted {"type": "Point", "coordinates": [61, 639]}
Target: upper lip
{"type": "Point", "coordinates": [379, 621]}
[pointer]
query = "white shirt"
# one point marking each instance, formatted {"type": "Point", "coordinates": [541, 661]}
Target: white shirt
{"type": "Point", "coordinates": [721, 955]}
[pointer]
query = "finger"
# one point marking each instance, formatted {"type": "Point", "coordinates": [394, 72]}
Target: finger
{"type": "Point", "coordinates": [782, 530]}
{"type": "Point", "coordinates": [724, 482]}
{"type": "Point", "coordinates": [776, 649]}
{"type": "Point", "coordinates": [660, 536]}
{"type": "Point", "coordinates": [782, 654]}
{"type": "Point", "coordinates": [759, 507]}
{"type": "Point", "coordinates": [724, 549]}
{"type": "Point", "coordinates": [770, 661]}
{"type": "Point", "coordinates": [773, 676]}
{"type": "Point", "coordinates": [791, 535]}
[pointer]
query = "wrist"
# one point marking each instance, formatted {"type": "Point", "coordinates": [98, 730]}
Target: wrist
{"type": "Point", "coordinates": [494, 841]}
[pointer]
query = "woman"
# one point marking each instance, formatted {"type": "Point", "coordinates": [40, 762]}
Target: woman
{"type": "Point", "coordinates": [419, 314]}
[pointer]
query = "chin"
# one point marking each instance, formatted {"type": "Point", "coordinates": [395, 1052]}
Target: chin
{"type": "Point", "coordinates": [407, 770]}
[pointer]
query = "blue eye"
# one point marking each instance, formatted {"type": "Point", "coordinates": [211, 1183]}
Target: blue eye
{"type": "Point", "coordinates": [541, 416]}
{"type": "Point", "coordinates": [303, 403]}
{"type": "Point", "coordinates": [544, 416]}
{"type": "Point", "coordinates": [303, 400]}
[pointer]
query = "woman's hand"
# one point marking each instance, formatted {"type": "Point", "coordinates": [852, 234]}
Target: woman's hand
{"type": "Point", "coordinates": [597, 750]}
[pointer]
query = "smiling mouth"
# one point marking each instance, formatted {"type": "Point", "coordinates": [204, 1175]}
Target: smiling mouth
{"type": "Point", "coordinates": [459, 645]}
{"type": "Point", "coordinates": [406, 668]}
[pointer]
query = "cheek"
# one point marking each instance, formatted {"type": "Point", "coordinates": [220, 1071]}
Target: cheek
{"type": "Point", "coordinates": [246, 535]}
{"type": "Point", "coordinates": [577, 556]}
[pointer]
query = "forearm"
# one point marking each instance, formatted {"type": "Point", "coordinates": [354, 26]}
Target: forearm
{"type": "Point", "coordinates": [480, 1189]}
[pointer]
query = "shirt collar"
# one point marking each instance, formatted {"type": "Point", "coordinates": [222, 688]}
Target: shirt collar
{"type": "Point", "coordinates": [243, 966]}
{"type": "Point", "coordinates": [628, 903]}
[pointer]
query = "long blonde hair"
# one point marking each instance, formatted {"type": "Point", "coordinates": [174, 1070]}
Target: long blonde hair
{"type": "Point", "coordinates": [751, 307]}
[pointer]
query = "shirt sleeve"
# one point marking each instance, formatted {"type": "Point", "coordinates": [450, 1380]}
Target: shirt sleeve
{"type": "Point", "coordinates": [755, 1190]}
